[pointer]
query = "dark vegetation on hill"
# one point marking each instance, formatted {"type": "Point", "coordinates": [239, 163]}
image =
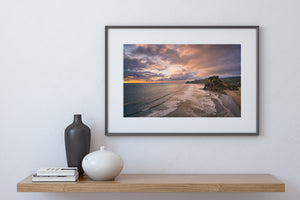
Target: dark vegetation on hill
{"type": "Point", "coordinates": [214, 83]}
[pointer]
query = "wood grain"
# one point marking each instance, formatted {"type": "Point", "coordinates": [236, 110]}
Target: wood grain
{"type": "Point", "coordinates": [162, 183]}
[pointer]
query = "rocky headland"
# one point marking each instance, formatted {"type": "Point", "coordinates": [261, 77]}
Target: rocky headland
{"type": "Point", "coordinates": [230, 86]}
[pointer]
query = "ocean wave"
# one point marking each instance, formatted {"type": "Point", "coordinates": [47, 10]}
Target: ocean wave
{"type": "Point", "coordinates": [145, 107]}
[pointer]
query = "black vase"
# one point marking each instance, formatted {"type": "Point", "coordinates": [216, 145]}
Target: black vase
{"type": "Point", "coordinates": [77, 141]}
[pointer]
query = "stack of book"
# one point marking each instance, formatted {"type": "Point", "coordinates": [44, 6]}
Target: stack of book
{"type": "Point", "coordinates": [69, 174]}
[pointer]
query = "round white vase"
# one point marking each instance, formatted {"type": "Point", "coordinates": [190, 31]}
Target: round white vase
{"type": "Point", "coordinates": [102, 165]}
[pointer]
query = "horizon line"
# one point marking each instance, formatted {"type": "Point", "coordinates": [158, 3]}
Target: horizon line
{"type": "Point", "coordinates": [177, 81]}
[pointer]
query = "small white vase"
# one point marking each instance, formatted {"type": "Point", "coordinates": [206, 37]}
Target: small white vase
{"type": "Point", "coordinates": [102, 165]}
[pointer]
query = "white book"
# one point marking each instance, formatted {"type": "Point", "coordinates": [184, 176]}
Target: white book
{"type": "Point", "coordinates": [36, 178]}
{"type": "Point", "coordinates": [57, 171]}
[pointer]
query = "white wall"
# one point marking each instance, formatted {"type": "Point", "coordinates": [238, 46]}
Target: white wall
{"type": "Point", "coordinates": [52, 66]}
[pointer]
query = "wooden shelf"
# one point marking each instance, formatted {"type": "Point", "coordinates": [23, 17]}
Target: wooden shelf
{"type": "Point", "coordinates": [162, 183]}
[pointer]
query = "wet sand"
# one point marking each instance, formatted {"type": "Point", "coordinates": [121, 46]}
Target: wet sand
{"type": "Point", "coordinates": [235, 95]}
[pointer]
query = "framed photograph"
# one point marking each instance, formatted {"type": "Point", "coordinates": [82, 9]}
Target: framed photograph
{"type": "Point", "coordinates": [181, 80]}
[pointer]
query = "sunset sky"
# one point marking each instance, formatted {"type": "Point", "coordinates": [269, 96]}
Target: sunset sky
{"type": "Point", "coordinates": [155, 63]}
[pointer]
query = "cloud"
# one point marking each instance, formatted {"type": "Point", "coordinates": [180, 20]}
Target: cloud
{"type": "Point", "coordinates": [184, 76]}
{"type": "Point", "coordinates": [182, 62]}
{"type": "Point", "coordinates": [134, 64]}
{"type": "Point", "coordinates": [145, 75]}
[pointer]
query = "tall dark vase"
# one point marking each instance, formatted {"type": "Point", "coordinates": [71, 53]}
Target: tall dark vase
{"type": "Point", "coordinates": [77, 141]}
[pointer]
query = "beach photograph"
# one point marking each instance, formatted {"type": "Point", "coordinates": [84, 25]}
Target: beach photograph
{"type": "Point", "coordinates": [182, 80]}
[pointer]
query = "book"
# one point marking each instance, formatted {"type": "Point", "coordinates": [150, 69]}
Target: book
{"type": "Point", "coordinates": [36, 178]}
{"type": "Point", "coordinates": [57, 171]}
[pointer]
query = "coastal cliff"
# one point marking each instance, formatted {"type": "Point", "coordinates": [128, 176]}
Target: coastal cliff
{"type": "Point", "coordinates": [230, 86]}
{"type": "Point", "coordinates": [214, 83]}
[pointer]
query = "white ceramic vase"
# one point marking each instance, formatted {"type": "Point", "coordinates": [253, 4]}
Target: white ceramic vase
{"type": "Point", "coordinates": [102, 165]}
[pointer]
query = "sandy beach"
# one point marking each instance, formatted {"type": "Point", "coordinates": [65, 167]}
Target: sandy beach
{"type": "Point", "coordinates": [235, 95]}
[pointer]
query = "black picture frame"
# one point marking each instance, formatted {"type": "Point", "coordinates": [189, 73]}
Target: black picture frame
{"type": "Point", "coordinates": [111, 133]}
